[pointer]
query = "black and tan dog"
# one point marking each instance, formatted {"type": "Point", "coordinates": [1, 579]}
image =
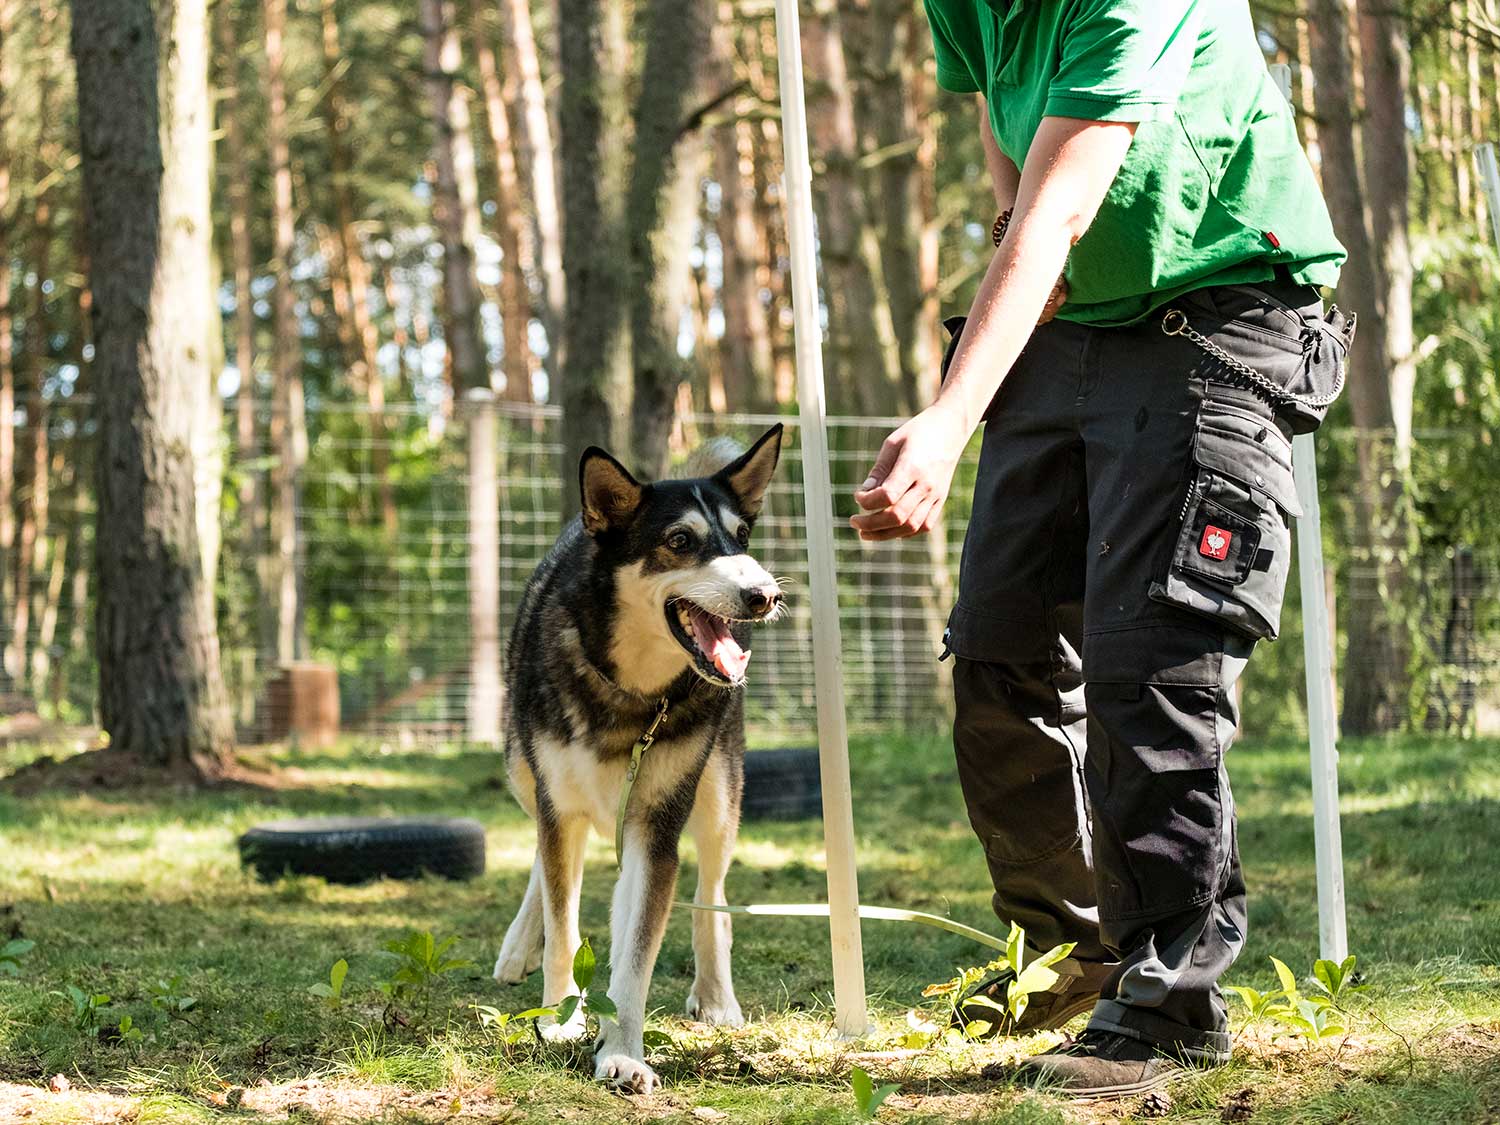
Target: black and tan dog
{"type": "Point", "coordinates": [647, 597]}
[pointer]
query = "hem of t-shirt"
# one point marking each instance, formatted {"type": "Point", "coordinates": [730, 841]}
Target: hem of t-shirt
{"type": "Point", "coordinates": [1128, 311]}
{"type": "Point", "coordinates": [956, 81]}
{"type": "Point", "coordinates": [1090, 106]}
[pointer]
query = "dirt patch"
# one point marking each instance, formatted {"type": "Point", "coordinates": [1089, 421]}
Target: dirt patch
{"type": "Point", "coordinates": [106, 770]}
{"type": "Point", "coordinates": [307, 1100]}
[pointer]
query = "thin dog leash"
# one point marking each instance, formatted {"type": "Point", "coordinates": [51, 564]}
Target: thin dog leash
{"type": "Point", "coordinates": [632, 771]}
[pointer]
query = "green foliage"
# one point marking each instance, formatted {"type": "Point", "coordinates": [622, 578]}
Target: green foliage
{"type": "Point", "coordinates": [332, 992]}
{"type": "Point", "coordinates": [1317, 1017]}
{"type": "Point", "coordinates": [167, 996]}
{"type": "Point", "coordinates": [586, 1001]}
{"type": "Point", "coordinates": [867, 1096]}
{"type": "Point", "coordinates": [86, 1006]}
{"type": "Point", "coordinates": [510, 1028]}
{"type": "Point", "coordinates": [421, 961]}
{"type": "Point", "coordinates": [128, 1033]}
{"type": "Point", "coordinates": [1036, 975]}
{"type": "Point", "coordinates": [10, 956]}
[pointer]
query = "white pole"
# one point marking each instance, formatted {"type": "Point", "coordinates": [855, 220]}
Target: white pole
{"type": "Point", "coordinates": [1489, 178]}
{"type": "Point", "coordinates": [1317, 651]}
{"type": "Point", "coordinates": [850, 1014]}
{"type": "Point", "coordinates": [1322, 722]}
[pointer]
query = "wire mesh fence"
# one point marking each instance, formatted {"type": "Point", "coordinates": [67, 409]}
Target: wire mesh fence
{"type": "Point", "coordinates": [381, 569]}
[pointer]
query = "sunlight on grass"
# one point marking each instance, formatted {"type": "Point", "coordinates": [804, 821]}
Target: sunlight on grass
{"type": "Point", "coordinates": [122, 891]}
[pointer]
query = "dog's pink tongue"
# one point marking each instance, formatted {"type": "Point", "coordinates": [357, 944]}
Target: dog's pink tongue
{"type": "Point", "coordinates": [713, 637]}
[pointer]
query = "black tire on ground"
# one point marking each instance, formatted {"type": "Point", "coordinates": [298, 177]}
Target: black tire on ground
{"type": "Point", "coordinates": [782, 785]}
{"type": "Point", "coordinates": [352, 849]}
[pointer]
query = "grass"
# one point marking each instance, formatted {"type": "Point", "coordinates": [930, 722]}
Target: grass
{"type": "Point", "coordinates": [122, 891]}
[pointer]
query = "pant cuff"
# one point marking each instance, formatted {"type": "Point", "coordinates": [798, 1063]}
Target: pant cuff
{"type": "Point", "coordinates": [1169, 1036]}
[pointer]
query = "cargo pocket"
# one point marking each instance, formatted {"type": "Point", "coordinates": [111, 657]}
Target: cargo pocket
{"type": "Point", "coordinates": [1232, 554]}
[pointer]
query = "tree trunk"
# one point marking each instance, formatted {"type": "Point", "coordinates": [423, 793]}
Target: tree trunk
{"type": "Point", "coordinates": [243, 256]}
{"type": "Point", "coordinates": [188, 120]}
{"type": "Point", "coordinates": [31, 547]}
{"type": "Point", "coordinates": [533, 131]}
{"type": "Point", "coordinates": [510, 219]}
{"type": "Point", "coordinates": [863, 349]}
{"type": "Point", "coordinates": [1370, 218]}
{"type": "Point", "coordinates": [365, 371]}
{"type": "Point", "coordinates": [746, 343]}
{"type": "Point", "coordinates": [661, 211]}
{"type": "Point", "coordinates": [160, 693]}
{"type": "Point", "coordinates": [594, 365]}
{"type": "Point", "coordinates": [7, 356]}
{"type": "Point", "coordinates": [455, 197]}
{"type": "Point", "coordinates": [288, 430]}
{"type": "Point", "coordinates": [900, 124]}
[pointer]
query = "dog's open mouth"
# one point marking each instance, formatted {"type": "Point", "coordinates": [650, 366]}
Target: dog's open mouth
{"type": "Point", "coordinates": [708, 639]}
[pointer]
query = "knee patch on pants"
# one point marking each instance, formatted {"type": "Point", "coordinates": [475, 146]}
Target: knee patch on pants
{"type": "Point", "coordinates": [1155, 768]}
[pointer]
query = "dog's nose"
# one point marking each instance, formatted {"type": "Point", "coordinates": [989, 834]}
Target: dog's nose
{"type": "Point", "coordinates": [763, 600]}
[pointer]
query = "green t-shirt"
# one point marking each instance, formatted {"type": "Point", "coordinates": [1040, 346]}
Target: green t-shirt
{"type": "Point", "coordinates": [1215, 188]}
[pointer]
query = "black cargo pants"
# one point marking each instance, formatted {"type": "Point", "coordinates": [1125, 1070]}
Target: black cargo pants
{"type": "Point", "coordinates": [1130, 540]}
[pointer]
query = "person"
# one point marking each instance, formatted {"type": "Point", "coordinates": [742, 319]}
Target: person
{"type": "Point", "coordinates": [1144, 343]}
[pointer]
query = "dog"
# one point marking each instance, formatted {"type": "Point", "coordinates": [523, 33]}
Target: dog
{"type": "Point", "coordinates": [644, 604]}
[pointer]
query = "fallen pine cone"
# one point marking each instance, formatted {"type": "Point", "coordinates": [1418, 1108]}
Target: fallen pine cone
{"type": "Point", "coordinates": [59, 1084]}
{"type": "Point", "coordinates": [1158, 1103]}
{"type": "Point", "coordinates": [1239, 1106]}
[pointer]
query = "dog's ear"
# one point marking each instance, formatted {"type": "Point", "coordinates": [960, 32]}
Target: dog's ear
{"type": "Point", "coordinates": [748, 475]}
{"type": "Point", "coordinates": [611, 495]}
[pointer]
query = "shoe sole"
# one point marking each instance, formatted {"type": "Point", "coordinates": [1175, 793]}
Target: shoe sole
{"type": "Point", "coordinates": [1123, 1090]}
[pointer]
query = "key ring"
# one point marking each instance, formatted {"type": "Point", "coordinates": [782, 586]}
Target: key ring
{"type": "Point", "coordinates": [1175, 323]}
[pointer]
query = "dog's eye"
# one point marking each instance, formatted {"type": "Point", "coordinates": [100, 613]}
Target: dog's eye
{"type": "Point", "coordinates": [743, 535]}
{"type": "Point", "coordinates": [679, 541]}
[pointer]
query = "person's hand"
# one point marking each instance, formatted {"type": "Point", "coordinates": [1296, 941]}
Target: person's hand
{"type": "Point", "coordinates": [1055, 301]}
{"type": "Point", "coordinates": [909, 484]}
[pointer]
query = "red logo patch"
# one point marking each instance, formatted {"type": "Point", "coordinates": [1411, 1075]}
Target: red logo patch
{"type": "Point", "coordinates": [1216, 542]}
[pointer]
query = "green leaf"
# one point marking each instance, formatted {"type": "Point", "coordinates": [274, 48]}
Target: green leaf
{"type": "Point", "coordinates": [336, 976]}
{"type": "Point", "coordinates": [535, 1013]}
{"type": "Point", "coordinates": [322, 990]}
{"type": "Point", "coordinates": [566, 1009]}
{"type": "Point", "coordinates": [881, 1093]}
{"type": "Point", "coordinates": [490, 1016]}
{"type": "Point", "coordinates": [1035, 977]}
{"type": "Point", "coordinates": [583, 965]}
{"type": "Point", "coordinates": [655, 1039]}
{"type": "Point", "coordinates": [601, 1005]}
{"type": "Point", "coordinates": [1055, 954]}
{"type": "Point", "coordinates": [1285, 975]}
{"type": "Point", "coordinates": [1014, 943]}
{"type": "Point", "coordinates": [974, 1029]}
{"type": "Point", "coordinates": [1248, 996]}
{"type": "Point", "coordinates": [864, 1090]}
{"type": "Point", "coordinates": [1017, 999]}
{"type": "Point", "coordinates": [16, 947]}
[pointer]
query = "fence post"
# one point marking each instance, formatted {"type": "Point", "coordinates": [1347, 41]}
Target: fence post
{"type": "Point", "coordinates": [1317, 653]}
{"type": "Point", "coordinates": [483, 717]}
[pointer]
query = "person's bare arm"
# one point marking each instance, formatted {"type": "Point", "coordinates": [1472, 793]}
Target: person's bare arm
{"type": "Point", "coordinates": [1068, 172]}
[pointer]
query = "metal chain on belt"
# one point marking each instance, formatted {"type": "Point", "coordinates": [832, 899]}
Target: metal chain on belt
{"type": "Point", "coordinates": [1175, 323]}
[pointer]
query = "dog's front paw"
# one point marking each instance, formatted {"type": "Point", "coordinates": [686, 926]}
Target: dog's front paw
{"type": "Point", "coordinates": [621, 1072]}
{"type": "Point", "coordinates": [515, 965]}
{"type": "Point", "coordinates": [554, 1032]}
{"type": "Point", "coordinates": [721, 1011]}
